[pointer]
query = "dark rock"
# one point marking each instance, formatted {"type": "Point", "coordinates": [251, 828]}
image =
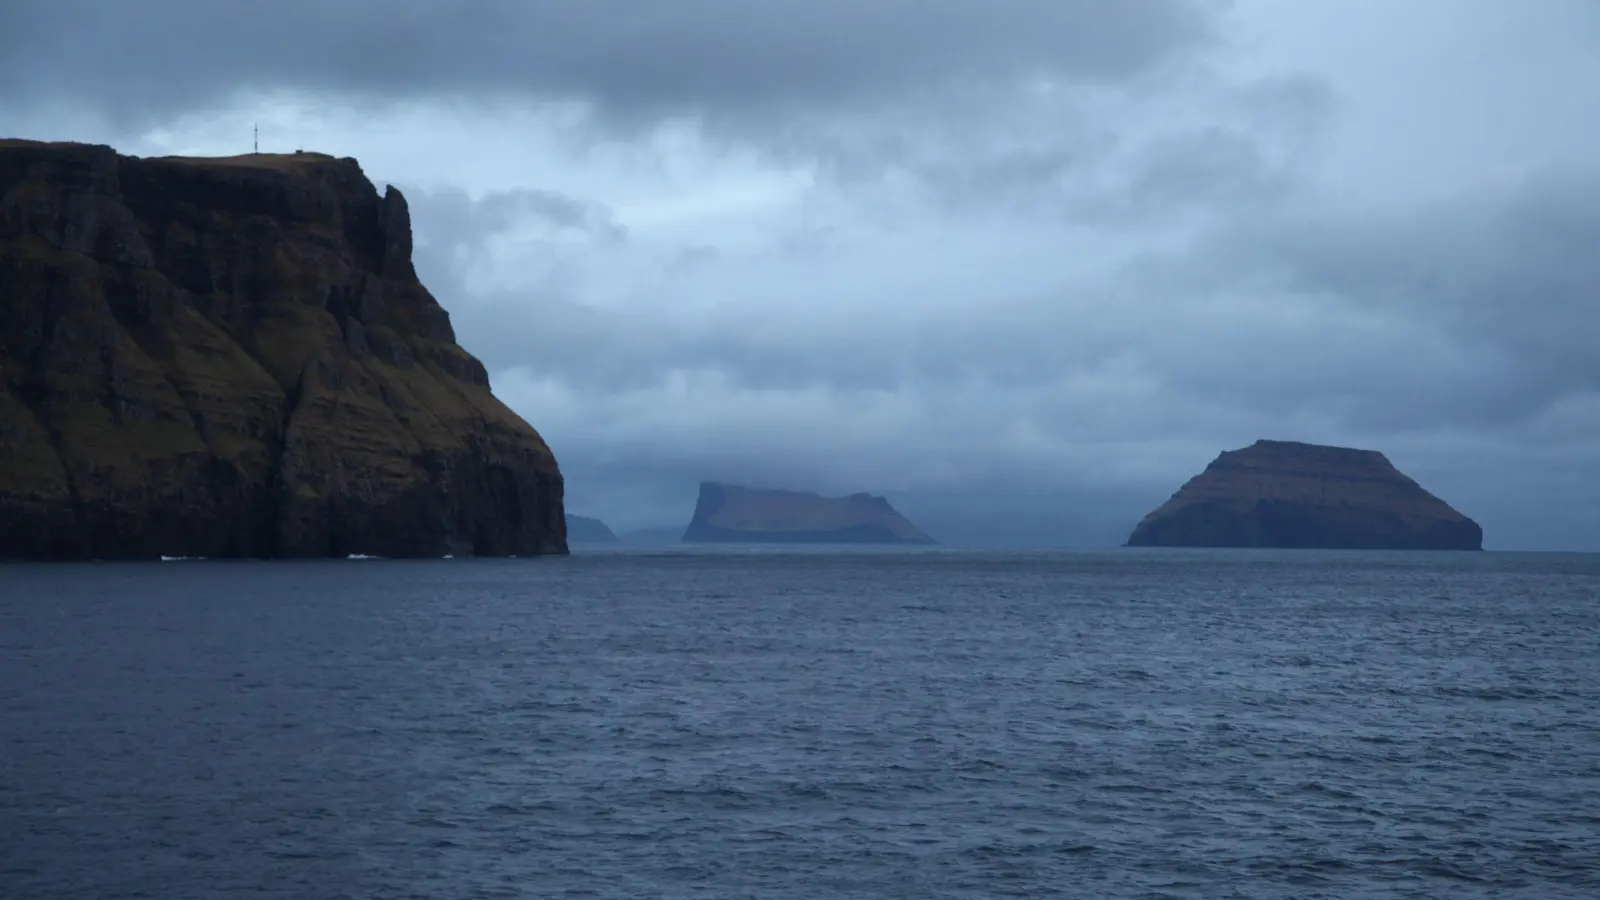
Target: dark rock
{"type": "Point", "coordinates": [1294, 495]}
{"type": "Point", "coordinates": [729, 514]}
{"type": "Point", "coordinates": [584, 530]}
{"type": "Point", "coordinates": [233, 357]}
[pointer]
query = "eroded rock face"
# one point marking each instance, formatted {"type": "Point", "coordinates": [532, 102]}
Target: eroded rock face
{"type": "Point", "coordinates": [1293, 495]}
{"type": "Point", "coordinates": [234, 357]}
{"type": "Point", "coordinates": [730, 514]}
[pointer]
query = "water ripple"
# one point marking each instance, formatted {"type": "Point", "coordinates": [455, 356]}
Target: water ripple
{"type": "Point", "coordinates": [776, 725]}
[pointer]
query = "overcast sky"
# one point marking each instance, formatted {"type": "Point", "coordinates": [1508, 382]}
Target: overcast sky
{"type": "Point", "coordinates": [1026, 259]}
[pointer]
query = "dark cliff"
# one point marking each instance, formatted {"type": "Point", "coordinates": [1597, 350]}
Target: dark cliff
{"type": "Point", "coordinates": [1288, 494]}
{"type": "Point", "coordinates": [584, 530]}
{"type": "Point", "coordinates": [729, 514]}
{"type": "Point", "coordinates": [233, 357]}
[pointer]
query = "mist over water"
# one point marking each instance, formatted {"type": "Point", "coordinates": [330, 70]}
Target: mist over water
{"type": "Point", "coordinates": [805, 723]}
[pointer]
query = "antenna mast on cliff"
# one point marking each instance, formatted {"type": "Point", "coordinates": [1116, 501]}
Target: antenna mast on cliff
{"type": "Point", "coordinates": [255, 137]}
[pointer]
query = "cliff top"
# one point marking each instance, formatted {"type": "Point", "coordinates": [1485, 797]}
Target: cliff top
{"type": "Point", "coordinates": [1315, 454]}
{"type": "Point", "coordinates": [25, 142]}
{"type": "Point", "coordinates": [280, 161]}
{"type": "Point", "coordinates": [247, 160]}
{"type": "Point", "coordinates": [304, 168]}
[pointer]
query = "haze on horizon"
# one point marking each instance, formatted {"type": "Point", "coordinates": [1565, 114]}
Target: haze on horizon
{"type": "Point", "coordinates": [1023, 266]}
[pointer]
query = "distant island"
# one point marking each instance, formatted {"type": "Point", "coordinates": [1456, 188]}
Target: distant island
{"type": "Point", "coordinates": [584, 530]}
{"type": "Point", "coordinates": [1288, 494]}
{"type": "Point", "coordinates": [730, 514]}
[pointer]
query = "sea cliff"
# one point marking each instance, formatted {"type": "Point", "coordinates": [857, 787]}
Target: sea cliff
{"type": "Point", "coordinates": [234, 358]}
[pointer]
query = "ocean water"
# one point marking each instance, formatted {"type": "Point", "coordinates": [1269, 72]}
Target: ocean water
{"type": "Point", "coordinates": [802, 724]}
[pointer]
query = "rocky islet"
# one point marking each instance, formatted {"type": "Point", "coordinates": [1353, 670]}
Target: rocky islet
{"type": "Point", "coordinates": [1287, 494]}
{"type": "Point", "coordinates": [727, 513]}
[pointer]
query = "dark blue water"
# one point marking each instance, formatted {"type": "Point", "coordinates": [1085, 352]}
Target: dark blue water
{"type": "Point", "coordinates": [806, 724]}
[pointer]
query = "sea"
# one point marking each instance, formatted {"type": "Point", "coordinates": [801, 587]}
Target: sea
{"type": "Point", "coordinates": [805, 723]}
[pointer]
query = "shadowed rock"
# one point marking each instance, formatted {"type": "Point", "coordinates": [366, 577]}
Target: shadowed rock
{"type": "Point", "coordinates": [233, 357]}
{"type": "Point", "coordinates": [584, 530]}
{"type": "Point", "coordinates": [729, 514]}
{"type": "Point", "coordinates": [1294, 495]}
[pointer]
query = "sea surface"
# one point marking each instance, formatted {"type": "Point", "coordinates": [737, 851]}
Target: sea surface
{"type": "Point", "coordinates": [805, 724]}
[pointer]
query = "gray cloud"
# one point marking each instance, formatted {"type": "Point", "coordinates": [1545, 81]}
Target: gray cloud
{"type": "Point", "coordinates": [455, 223]}
{"type": "Point", "coordinates": [1510, 274]}
{"type": "Point", "coordinates": [1464, 317]}
{"type": "Point", "coordinates": [714, 57]}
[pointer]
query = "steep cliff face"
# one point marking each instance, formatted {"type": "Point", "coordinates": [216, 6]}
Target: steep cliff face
{"type": "Point", "coordinates": [234, 357]}
{"type": "Point", "coordinates": [1288, 494]}
{"type": "Point", "coordinates": [729, 514]}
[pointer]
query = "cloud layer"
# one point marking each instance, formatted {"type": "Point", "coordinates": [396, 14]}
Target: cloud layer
{"type": "Point", "coordinates": [716, 57]}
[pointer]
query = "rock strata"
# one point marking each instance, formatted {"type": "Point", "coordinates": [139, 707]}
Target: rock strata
{"type": "Point", "coordinates": [1293, 495]}
{"type": "Point", "coordinates": [234, 358]}
{"type": "Point", "coordinates": [730, 514]}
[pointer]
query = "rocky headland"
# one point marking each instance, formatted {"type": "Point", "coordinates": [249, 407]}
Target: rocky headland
{"type": "Point", "coordinates": [585, 530]}
{"type": "Point", "coordinates": [234, 358]}
{"type": "Point", "coordinates": [1293, 495]}
{"type": "Point", "coordinates": [730, 514]}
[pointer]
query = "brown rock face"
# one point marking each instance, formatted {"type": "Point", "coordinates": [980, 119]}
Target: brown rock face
{"type": "Point", "coordinates": [233, 357]}
{"type": "Point", "coordinates": [1293, 495]}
